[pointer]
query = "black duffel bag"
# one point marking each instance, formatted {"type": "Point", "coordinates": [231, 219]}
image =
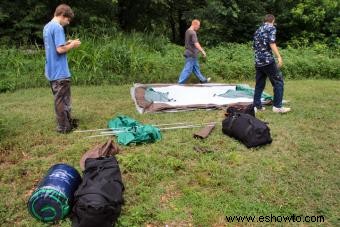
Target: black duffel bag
{"type": "Point", "coordinates": [251, 131]}
{"type": "Point", "coordinates": [99, 197]}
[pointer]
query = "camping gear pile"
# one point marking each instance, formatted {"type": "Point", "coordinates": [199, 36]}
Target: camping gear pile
{"type": "Point", "coordinates": [129, 131]}
{"type": "Point", "coordinates": [96, 198]}
{"type": "Point", "coordinates": [91, 201]}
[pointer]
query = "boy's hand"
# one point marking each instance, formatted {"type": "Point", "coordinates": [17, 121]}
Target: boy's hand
{"type": "Point", "coordinates": [204, 54]}
{"type": "Point", "coordinates": [75, 43]}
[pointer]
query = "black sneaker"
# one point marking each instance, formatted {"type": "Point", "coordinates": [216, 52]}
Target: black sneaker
{"type": "Point", "coordinates": [74, 123]}
{"type": "Point", "coordinates": [66, 131]}
{"type": "Point", "coordinates": [206, 81]}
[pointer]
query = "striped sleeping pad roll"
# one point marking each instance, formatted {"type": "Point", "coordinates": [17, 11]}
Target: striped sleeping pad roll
{"type": "Point", "coordinates": [52, 200]}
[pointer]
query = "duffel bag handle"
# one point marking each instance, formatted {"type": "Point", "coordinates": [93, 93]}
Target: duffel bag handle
{"type": "Point", "coordinates": [231, 122]}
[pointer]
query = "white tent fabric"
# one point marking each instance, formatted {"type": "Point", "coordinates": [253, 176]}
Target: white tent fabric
{"type": "Point", "coordinates": [185, 95]}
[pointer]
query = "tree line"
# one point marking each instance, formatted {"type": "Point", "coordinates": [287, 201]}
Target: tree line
{"type": "Point", "coordinates": [299, 22]}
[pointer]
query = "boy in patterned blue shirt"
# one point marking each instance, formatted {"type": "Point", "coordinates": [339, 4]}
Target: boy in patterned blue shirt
{"type": "Point", "coordinates": [265, 65]}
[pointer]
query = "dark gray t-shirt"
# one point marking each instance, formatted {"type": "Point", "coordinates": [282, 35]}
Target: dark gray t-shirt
{"type": "Point", "coordinates": [190, 40]}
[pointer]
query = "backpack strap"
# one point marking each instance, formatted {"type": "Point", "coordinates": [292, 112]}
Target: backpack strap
{"type": "Point", "coordinates": [231, 122]}
{"type": "Point", "coordinates": [248, 129]}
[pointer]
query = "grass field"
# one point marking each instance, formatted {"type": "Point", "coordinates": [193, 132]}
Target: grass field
{"type": "Point", "coordinates": [168, 182]}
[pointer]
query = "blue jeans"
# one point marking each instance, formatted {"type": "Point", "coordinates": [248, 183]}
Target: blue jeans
{"type": "Point", "coordinates": [191, 65]}
{"type": "Point", "coordinates": [275, 77]}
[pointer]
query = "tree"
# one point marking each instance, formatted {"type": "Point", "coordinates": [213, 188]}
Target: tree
{"type": "Point", "coordinates": [298, 21]}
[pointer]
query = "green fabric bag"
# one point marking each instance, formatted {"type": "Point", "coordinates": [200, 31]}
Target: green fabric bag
{"type": "Point", "coordinates": [121, 122]}
{"type": "Point", "coordinates": [131, 131]}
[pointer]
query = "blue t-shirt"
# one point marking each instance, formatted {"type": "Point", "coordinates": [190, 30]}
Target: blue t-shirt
{"type": "Point", "coordinates": [56, 66]}
{"type": "Point", "coordinates": [263, 37]}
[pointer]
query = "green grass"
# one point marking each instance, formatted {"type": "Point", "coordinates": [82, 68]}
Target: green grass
{"type": "Point", "coordinates": [168, 182]}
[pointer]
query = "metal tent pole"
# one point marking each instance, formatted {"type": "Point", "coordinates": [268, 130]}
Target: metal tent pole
{"type": "Point", "coordinates": [157, 125]}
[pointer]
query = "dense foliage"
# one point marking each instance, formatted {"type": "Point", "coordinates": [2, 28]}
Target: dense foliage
{"type": "Point", "coordinates": [299, 22]}
{"type": "Point", "coordinates": [119, 59]}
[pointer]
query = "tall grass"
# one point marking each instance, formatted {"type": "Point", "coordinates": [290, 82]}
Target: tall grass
{"type": "Point", "coordinates": [125, 58]}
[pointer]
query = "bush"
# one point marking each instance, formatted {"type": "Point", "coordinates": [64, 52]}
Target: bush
{"type": "Point", "coordinates": [126, 58]}
{"type": "Point", "coordinates": [6, 85]}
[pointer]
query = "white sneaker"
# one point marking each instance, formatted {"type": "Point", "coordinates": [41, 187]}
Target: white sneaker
{"type": "Point", "coordinates": [281, 110]}
{"type": "Point", "coordinates": [259, 110]}
{"type": "Point", "coordinates": [208, 79]}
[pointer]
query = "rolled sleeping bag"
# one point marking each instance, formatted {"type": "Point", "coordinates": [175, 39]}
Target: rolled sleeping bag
{"type": "Point", "coordinates": [52, 199]}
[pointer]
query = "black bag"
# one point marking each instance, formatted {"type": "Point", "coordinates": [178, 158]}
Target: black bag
{"type": "Point", "coordinates": [240, 108]}
{"type": "Point", "coordinates": [99, 197]}
{"type": "Point", "coordinates": [249, 130]}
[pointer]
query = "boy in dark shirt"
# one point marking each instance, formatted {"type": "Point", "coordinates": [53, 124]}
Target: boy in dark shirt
{"type": "Point", "coordinates": [264, 46]}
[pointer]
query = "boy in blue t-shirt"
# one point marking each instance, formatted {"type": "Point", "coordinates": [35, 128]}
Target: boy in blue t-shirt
{"type": "Point", "coordinates": [56, 66]}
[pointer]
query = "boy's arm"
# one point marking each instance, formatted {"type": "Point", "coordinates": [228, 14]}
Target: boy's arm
{"type": "Point", "coordinates": [277, 54]}
{"type": "Point", "coordinates": [198, 46]}
{"type": "Point", "coordinates": [71, 44]}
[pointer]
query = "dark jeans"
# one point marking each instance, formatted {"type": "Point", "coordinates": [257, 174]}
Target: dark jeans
{"type": "Point", "coordinates": [275, 77]}
{"type": "Point", "coordinates": [61, 90]}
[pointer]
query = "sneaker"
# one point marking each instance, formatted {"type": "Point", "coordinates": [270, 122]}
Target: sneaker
{"type": "Point", "coordinates": [281, 109]}
{"type": "Point", "coordinates": [74, 123]}
{"type": "Point", "coordinates": [259, 109]}
{"type": "Point", "coordinates": [66, 131]}
{"type": "Point", "coordinates": [206, 81]}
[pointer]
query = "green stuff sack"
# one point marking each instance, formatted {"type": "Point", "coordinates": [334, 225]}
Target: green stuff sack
{"type": "Point", "coordinates": [130, 131]}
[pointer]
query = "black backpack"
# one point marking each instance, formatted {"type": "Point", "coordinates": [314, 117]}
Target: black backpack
{"type": "Point", "coordinates": [249, 130]}
{"type": "Point", "coordinates": [240, 108]}
{"type": "Point", "coordinates": [99, 197]}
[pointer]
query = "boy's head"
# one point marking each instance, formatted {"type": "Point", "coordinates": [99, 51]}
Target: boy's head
{"type": "Point", "coordinates": [196, 24]}
{"type": "Point", "coordinates": [269, 18]}
{"type": "Point", "coordinates": [64, 13]}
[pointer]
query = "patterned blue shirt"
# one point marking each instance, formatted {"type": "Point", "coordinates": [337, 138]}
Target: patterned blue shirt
{"type": "Point", "coordinates": [263, 37]}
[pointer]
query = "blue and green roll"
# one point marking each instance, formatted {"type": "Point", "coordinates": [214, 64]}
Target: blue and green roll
{"type": "Point", "coordinates": [52, 200]}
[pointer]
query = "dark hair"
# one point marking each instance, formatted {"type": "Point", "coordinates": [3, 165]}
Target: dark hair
{"type": "Point", "coordinates": [64, 10]}
{"type": "Point", "coordinates": [269, 18]}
